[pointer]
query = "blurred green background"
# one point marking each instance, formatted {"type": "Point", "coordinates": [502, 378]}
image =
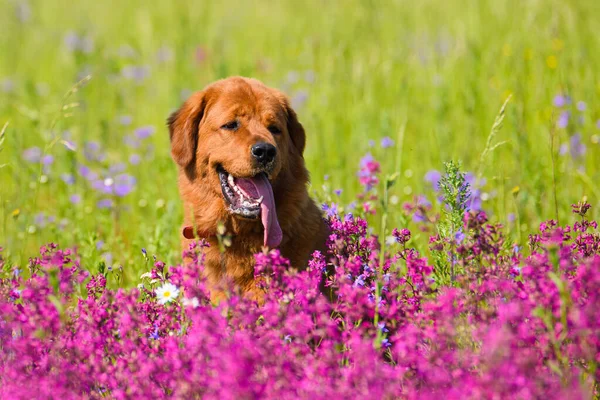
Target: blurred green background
{"type": "Point", "coordinates": [430, 76]}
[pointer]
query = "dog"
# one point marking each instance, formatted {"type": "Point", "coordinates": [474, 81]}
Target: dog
{"type": "Point", "coordinates": [239, 149]}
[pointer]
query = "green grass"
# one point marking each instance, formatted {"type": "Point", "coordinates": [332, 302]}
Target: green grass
{"type": "Point", "coordinates": [433, 72]}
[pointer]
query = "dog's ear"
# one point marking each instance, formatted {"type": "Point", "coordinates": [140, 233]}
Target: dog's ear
{"type": "Point", "coordinates": [295, 128]}
{"type": "Point", "coordinates": [183, 129]}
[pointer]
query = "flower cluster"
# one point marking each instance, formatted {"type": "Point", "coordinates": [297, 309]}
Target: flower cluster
{"type": "Point", "coordinates": [356, 323]}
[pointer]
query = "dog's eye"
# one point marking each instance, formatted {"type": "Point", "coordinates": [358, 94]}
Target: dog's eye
{"type": "Point", "coordinates": [274, 130]}
{"type": "Point", "coordinates": [231, 126]}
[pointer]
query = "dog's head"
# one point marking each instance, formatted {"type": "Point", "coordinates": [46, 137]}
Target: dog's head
{"type": "Point", "coordinates": [238, 138]}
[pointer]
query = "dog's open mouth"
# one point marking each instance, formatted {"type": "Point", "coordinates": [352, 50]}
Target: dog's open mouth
{"type": "Point", "coordinates": [251, 198]}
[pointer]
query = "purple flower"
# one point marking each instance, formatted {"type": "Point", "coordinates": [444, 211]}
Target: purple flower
{"type": "Point", "coordinates": [93, 151]}
{"type": "Point", "coordinates": [105, 203]}
{"type": "Point", "coordinates": [563, 119]}
{"type": "Point", "coordinates": [576, 146]}
{"type": "Point", "coordinates": [74, 42]}
{"type": "Point", "coordinates": [40, 220]}
{"type": "Point", "coordinates": [561, 100]}
{"type": "Point", "coordinates": [433, 177]}
{"type": "Point", "coordinates": [581, 106]}
{"type": "Point", "coordinates": [131, 141]}
{"type": "Point", "coordinates": [402, 236]}
{"type": "Point", "coordinates": [330, 210]}
{"type": "Point", "coordinates": [47, 159]}
{"type": "Point", "coordinates": [124, 184]}
{"type": "Point", "coordinates": [154, 335]}
{"type": "Point", "coordinates": [387, 142]}
{"type": "Point", "coordinates": [32, 154]}
{"type": "Point", "coordinates": [117, 168]}
{"type": "Point", "coordinates": [299, 98]}
{"type": "Point", "coordinates": [136, 73]}
{"type": "Point", "coordinates": [86, 172]}
{"type": "Point", "coordinates": [459, 236]}
{"type": "Point", "coordinates": [69, 179]}
{"type": "Point", "coordinates": [564, 148]}
{"type": "Point", "coordinates": [75, 198]}
{"type": "Point", "coordinates": [71, 41]}
{"type": "Point", "coordinates": [134, 159]}
{"type": "Point", "coordinates": [369, 169]}
{"type": "Point", "coordinates": [104, 186]}
{"type": "Point", "coordinates": [338, 192]}
{"type": "Point", "coordinates": [144, 132]}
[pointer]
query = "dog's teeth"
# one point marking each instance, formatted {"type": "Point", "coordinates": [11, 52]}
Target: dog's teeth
{"type": "Point", "coordinates": [230, 180]}
{"type": "Point", "coordinates": [259, 200]}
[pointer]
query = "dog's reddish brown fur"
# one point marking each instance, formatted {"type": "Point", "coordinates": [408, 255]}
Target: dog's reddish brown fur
{"type": "Point", "coordinates": [199, 145]}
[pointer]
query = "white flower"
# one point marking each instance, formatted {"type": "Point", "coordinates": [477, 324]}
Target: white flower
{"type": "Point", "coordinates": [167, 293]}
{"type": "Point", "coordinates": [193, 302]}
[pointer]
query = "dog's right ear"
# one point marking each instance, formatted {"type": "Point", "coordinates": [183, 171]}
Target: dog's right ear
{"type": "Point", "coordinates": [183, 129]}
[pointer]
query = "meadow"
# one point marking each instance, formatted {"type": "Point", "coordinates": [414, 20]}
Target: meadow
{"type": "Point", "coordinates": [441, 138]}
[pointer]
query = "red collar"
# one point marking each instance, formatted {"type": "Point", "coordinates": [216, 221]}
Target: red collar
{"type": "Point", "coordinates": [188, 233]}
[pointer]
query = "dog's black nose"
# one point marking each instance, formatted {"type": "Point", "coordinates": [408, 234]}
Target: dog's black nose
{"type": "Point", "coordinates": [263, 152]}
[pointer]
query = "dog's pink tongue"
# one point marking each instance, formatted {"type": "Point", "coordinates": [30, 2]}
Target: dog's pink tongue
{"type": "Point", "coordinates": [268, 214]}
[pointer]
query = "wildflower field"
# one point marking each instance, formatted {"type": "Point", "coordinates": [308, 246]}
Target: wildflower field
{"type": "Point", "coordinates": [453, 147]}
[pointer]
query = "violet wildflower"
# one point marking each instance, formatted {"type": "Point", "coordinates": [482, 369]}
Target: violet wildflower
{"type": "Point", "coordinates": [330, 210]}
{"type": "Point", "coordinates": [47, 160]}
{"type": "Point", "coordinates": [386, 142]}
{"type": "Point", "coordinates": [402, 236]}
{"type": "Point", "coordinates": [116, 168]}
{"type": "Point", "coordinates": [136, 73]}
{"type": "Point", "coordinates": [577, 148]}
{"type": "Point", "coordinates": [32, 154]}
{"type": "Point", "coordinates": [69, 179]}
{"type": "Point", "coordinates": [299, 98]}
{"type": "Point", "coordinates": [105, 203]}
{"type": "Point", "coordinates": [123, 184]}
{"type": "Point", "coordinates": [561, 100]}
{"type": "Point", "coordinates": [93, 151]}
{"type": "Point", "coordinates": [433, 178]}
{"type": "Point", "coordinates": [369, 169]}
{"type": "Point", "coordinates": [75, 198]}
{"type": "Point", "coordinates": [144, 132]}
{"type": "Point", "coordinates": [563, 119]}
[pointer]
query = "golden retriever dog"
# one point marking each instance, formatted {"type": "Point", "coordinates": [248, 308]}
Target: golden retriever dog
{"type": "Point", "coordinates": [239, 150]}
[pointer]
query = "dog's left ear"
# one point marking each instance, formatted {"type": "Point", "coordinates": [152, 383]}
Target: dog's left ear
{"type": "Point", "coordinates": [294, 126]}
{"type": "Point", "coordinates": [183, 129]}
{"type": "Point", "coordinates": [295, 129]}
